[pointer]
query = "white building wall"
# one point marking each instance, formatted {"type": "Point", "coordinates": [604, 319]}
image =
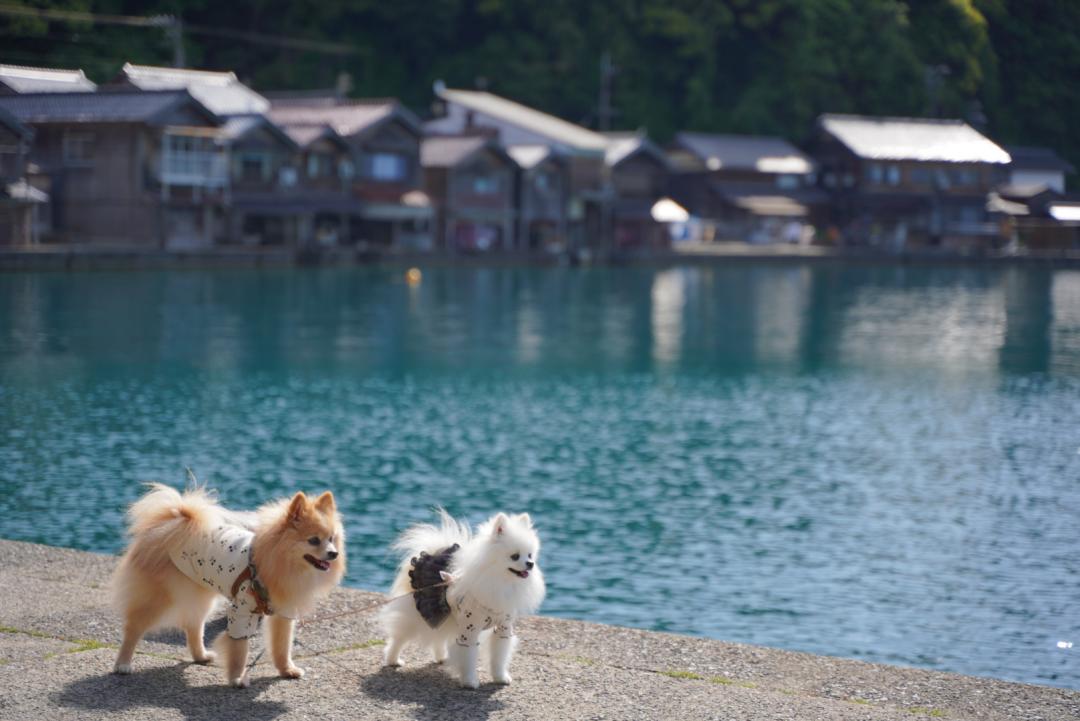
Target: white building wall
{"type": "Point", "coordinates": [1055, 180]}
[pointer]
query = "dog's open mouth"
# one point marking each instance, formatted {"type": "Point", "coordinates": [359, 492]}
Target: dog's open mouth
{"type": "Point", "coordinates": [519, 574]}
{"type": "Point", "coordinates": [317, 563]}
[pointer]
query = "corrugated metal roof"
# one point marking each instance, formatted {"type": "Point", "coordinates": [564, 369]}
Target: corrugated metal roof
{"type": "Point", "coordinates": [759, 153]}
{"type": "Point", "coordinates": [23, 79]}
{"type": "Point", "coordinates": [920, 139]}
{"type": "Point", "coordinates": [223, 93]}
{"type": "Point", "coordinates": [448, 151]}
{"type": "Point", "coordinates": [346, 120]}
{"type": "Point", "coordinates": [549, 126]}
{"type": "Point", "coordinates": [97, 107]}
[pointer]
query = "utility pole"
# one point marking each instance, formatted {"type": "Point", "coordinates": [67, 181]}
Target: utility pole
{"type": "Point", "coordinates": [175, 32]}
{"type": "Point", "coordinates": [604, 111]}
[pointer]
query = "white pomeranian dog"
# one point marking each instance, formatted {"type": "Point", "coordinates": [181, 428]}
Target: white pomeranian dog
{"type": "Point", "coordinates": [460, 589]}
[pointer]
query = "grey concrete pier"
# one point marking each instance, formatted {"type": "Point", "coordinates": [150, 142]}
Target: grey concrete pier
{"type": "Point", "coordinates": [58, 640]}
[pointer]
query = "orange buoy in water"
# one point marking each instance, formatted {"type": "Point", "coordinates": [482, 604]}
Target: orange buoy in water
{"type": "Point", "coordinates": [413, 276]}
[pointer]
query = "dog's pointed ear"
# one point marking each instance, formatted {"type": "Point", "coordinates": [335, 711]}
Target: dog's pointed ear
{"type": "Point", "coordinates": [297, 507]}
{"type": "Point", "coordinates": [325, 502]}
{"type": "Point", "coordinates": [498, 525]}
{"type": "Point", "coordinates": [525, 519]}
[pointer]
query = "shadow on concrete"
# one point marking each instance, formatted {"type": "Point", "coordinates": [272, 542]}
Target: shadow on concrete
{"type": "Point", "coordinates": [433, 694]}
{"type": "Point", "coordinates": [175, 637]}
{"type": "Point", "coordinates": [166, 688]}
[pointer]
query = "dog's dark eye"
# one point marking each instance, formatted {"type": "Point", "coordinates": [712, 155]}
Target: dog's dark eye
{"type": "Point", "coordinates": [515, 557]}
{"type": "Point", "coordinates": [314, 541]}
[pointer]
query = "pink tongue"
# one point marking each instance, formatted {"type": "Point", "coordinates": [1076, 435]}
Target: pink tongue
{"type": "Point", "coordinates": [524, 574]}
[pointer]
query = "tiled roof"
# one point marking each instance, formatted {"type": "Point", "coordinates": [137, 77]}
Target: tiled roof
{"type": "Point", "coordinates": [549, 126]}
{"type": "Point", "coordinates": [347, 119]}
{"type": "Point", "coordinates": [15, 125]}
{"type": "Point", "coordinates": [758, 153]}
{"type": "Point", "coordinates": [623, 145]}
{"type": "Point", "coordinates": [239, 126]}
{"type": "Point", "coordinates": [305, 135]}
{"type": "Point", "coordinates": [529, 156]}
{"type": "Point", "coordinates": [223, 93]}
{"type": "Point", "coordinates": [127, 107]}
{"type": "Point", "coordinates": [22, 79]}
{"type": "Point", "coordinates": [447, 151]}
{"type": "Point", "coordinates": [1027, 157]}
{"type": "Point", "coordinates": [920, 139]}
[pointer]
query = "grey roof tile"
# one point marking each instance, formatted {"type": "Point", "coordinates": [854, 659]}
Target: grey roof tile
{"type": "Point", "coordinates": [96, 107]}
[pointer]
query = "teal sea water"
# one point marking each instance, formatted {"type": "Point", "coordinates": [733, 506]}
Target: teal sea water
{"type": "Point", "coordinates": [866, 461]}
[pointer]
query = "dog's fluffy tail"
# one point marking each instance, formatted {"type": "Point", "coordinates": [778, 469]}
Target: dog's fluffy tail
{"type": "Point", "coordinates": [163, 519]}
{"type": "Point", "coordinates": [430, 538]}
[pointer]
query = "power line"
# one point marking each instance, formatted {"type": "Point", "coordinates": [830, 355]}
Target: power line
{"type": "Point", "coordinates": [175, 26]}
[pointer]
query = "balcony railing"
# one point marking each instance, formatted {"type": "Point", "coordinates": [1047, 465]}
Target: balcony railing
{"type": "Point", "coordinates": [193, 160]}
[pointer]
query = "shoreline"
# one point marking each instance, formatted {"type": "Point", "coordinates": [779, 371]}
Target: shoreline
{"type": "Point", "coordinates": [103, 257]}
{"type": "Point", "coordinates": [56, 660]}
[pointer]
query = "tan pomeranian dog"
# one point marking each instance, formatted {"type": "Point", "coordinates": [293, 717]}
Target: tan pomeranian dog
{"type": "Point", "coordinates": [186, 551]}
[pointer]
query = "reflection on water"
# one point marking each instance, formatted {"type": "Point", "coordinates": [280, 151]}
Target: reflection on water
{"type": "Point", "coordinates": [864, 461]}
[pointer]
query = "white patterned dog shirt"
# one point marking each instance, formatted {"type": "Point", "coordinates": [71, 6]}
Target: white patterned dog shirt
{"type": "Point", "coordinates": [473, 618]}
{"type": "Point", "coordinates": [214, 560]}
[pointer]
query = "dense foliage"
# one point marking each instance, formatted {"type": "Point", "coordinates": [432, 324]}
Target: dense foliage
{"type": "Point", "coordinates": [763, 66]}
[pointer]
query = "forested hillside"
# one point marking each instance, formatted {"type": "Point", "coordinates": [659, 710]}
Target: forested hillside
{"type": "Point", "coordinates": [763, 66]}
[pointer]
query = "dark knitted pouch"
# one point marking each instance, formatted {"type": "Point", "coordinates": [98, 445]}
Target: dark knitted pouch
{"type": "Point", "coordinates": [431, 602]}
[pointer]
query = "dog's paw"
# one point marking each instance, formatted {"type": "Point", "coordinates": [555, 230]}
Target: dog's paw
{"type": "Point", "coordinates": [472, 681]}
{"type": "Point", "coordinates": [207, 658]}
{"type": "Point", "coordinates": [242, 682]}
{"type": "Point", "coordinates": [292, 672]}
{"type": "Point", "coordinates": [122, 669]}
{"type": "Point", "coordinates": [503, 678]}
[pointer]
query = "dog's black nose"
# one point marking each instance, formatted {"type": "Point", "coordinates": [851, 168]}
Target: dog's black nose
{"type": "Point", "coordinates": [529, 565]}
{"type": "Point", "coordinates": [331, 555]}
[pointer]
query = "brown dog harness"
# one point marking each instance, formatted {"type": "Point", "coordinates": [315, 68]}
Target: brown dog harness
{"type": "Point", "coordinates": [255, 588]}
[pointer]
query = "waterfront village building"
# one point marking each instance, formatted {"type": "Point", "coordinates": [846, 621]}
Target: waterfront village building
{"type": "Point", "coordinates": [745, 187]}
{"type": "Point", "coordinates": [20, 202]}
{"type": "Point", "coordinates": [1036, 168]}
{"type": "Point", "coordinates": [18, 79]}
{"type": "Point", "coordinates": [906, 182]}
{"type": "Point", "coordinates": [589, 191]}
{"type": "Point", "coordinates": [542, 197]}
{"type": "Point", "coordinates": [280, 192]}
{"type": "Point", "coordinates": [639, 176]}
{"type": "Point", "coordinates": [144, 168]}
{"type": "Point", "coordinates": [381, 162]}
{"type": "Point", "coordinates": [1039, 215]}
{"type": "Point", "coordinates": [471, 181]}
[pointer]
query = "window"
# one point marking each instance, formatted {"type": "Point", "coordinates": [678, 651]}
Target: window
{"type": "Point", "coordinates": [191, 158]}
{"type": "Point", "coordinates": [787, 181]}
{"type": "Point", "coordinates": [320, 165]}
{"type": "Point", "coordinates": [875, 173]}
{"type": "Point", "coordinates": [78, 147]}
{"type": "Point", "coordinates": [387, 166]}
{"type": "Point", "coordinates": [963, 177]}
{"type": "Point", "coordinates": [346, 169]}
{"type": "Point", "coordinates": [485, 184]}
{"type": "Point", "coordinates": [921, 176]}
{"type": "Point", "coordinates": [892, 175]}
{"type": "Point", "coordinates": [9, 156]}
{"type": "Point", "coordinates": [287, 176]}
{"type": "Point", "coordinates": [253, 167]}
